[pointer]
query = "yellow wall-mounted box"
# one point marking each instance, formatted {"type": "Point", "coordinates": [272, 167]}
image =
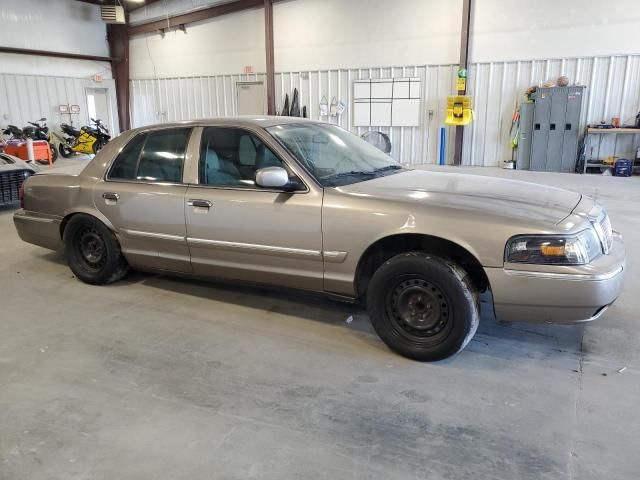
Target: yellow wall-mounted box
{"type": "Point", "coordinates": [459, 110]}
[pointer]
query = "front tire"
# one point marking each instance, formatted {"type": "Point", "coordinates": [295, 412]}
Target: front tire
{"type": "Point", "coordinates": [92, 251]}
{"type": "Point", "coordinates": [422, 306]}
{"type": "Point", "coordinates": [65, 151]}
{"type": "Point", "coordinates": [97, 146]}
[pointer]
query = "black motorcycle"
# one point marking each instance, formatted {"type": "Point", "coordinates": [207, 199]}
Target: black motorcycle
{"type": "Point", "coordinates": [39, 131]}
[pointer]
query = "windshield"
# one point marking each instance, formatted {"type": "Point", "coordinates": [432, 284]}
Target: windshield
{"type": "Point", "coordinates": [332, 155]}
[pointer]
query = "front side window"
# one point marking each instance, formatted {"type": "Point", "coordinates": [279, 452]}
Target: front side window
{"type": "Point", "coordinates": [153, 157]}
{"type": "Point", "coordinates": [332, 155]}
{"type": "Point", "coordinates": [230, 157]}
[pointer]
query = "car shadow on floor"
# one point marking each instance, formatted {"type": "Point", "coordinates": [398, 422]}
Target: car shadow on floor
{"type": "Point", "coordinates": [493, 338]}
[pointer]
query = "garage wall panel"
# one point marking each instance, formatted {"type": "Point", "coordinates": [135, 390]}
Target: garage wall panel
{"type": "Point", "coordinates": [613, 89]}
{"type": "Point", "coordinates": [26, 98]}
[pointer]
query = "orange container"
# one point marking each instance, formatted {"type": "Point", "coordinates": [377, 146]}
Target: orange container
{"type": "Point", "coordinates": [41, 150]}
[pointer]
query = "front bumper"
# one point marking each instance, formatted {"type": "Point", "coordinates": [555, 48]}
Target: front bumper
{"type": "Point", "coordinates": [558, 294]}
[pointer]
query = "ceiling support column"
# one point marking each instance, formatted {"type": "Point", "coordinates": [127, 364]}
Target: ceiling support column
{"type": "Point", "coordinates": [268, 44]}
{"type": "Point", "coordinates": [464, 63]}
{"type": "Point", "coordinates": [119, 50]}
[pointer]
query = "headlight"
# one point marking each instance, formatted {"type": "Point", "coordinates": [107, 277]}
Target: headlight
{"type": "Point", "coordinates": [578, 249]}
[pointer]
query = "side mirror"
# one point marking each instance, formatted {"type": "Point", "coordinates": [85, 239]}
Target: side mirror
{"type": "Point", "coordinates": [275, 177]}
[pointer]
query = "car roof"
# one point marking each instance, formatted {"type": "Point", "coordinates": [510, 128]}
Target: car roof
{"type": "Point", "coordinates": [263, 121]}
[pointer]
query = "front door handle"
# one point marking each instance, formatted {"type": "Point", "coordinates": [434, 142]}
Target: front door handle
{"type": "Point", "coordinates": [113, 197]}
{"type": "Point", "coordinates": [199, 203]}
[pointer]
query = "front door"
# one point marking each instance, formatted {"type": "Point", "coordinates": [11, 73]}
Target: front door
{"type": "Point", "coordinates": [251, 98]}
{"type": "Point", "coordinates": [238, 230]}
{"type": "Point", "coordinates": [143, 198]}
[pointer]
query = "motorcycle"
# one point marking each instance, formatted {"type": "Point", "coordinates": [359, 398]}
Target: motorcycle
{"type": "Point", "coordinates": [39, 131]}
{"type": "Point", "coordinates": [89, 139]}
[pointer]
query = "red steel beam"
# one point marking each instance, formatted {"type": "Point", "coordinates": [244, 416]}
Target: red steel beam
{"type": "Point", "coordinates": [268, 44]}
{"type": "Point", "coordinates": [119, 49]}
{"type": "Point", "coordinates": [464, 63]}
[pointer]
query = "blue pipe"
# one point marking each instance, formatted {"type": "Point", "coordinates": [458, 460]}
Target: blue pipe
{"type": "Point", "coordinates": [443, 137]}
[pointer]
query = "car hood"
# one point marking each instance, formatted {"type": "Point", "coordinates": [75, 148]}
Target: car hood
{"type": "Point", "coordinates": [487, 195]}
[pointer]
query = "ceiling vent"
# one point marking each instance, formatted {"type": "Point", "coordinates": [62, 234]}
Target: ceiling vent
{"type": "Point", "coordinates": [112, 14]}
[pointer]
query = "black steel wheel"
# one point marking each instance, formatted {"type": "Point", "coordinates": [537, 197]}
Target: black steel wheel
{"type": "Point", "coordinates": [422, 306]}
{"type": "Point", "coordinates": [92, 251]}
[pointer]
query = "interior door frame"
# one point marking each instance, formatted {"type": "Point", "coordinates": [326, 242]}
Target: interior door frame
{"type": "Point", "coordinates": [240, 83]}
{"type": "Point", "coordinates": [109, 109]}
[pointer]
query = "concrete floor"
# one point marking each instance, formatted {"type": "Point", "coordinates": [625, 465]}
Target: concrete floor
{"type": "Point", "coordinates": [157, 377]}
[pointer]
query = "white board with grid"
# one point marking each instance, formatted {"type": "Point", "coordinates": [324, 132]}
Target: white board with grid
{"type": "Point", "coordinates": [386, 102]}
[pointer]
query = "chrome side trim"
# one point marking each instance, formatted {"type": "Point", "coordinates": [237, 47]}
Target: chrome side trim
{"type": "Point", "coordinates": [159, 236]}
{"type": "Point", "coordinates": [254, 248]}
{"type": "Point", "coordinates": [565, 276]}
{"type": "Point", "coordinates": [36, 219]}
{"type": "Point", "coordinates": [334, 257]}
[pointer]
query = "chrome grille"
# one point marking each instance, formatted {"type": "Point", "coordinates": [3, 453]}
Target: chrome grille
{"type": "Point", "coordinates": [10, 183]}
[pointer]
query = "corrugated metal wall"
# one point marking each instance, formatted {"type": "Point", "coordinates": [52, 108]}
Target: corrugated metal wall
{"type": "Point", "coordinates": [613, 89]}
{"type": "Point", "coordinates": [26, 98]}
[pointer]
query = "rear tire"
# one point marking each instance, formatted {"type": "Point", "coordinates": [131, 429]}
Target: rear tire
{"type": "Point", "coordinates": [422, 306]}
{"type": "Point", "coordinates": [92, 251]}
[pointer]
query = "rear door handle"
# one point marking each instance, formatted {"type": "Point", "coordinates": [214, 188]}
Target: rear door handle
{"type": "Point", "coordinates": [199, 203]}
{"type": "Point", "coordinates": [113, 197]}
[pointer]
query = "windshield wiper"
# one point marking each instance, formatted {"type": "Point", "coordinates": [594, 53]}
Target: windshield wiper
{"type": "Point", "coordinates": [388, 167]}
{"type": "Point", "coordinates": [352, 173]}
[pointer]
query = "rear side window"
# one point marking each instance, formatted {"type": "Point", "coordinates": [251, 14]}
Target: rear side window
{"type": "Point", "coordinates": [153, 157]}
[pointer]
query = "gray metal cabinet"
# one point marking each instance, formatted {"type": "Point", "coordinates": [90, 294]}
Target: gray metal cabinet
{"type": "Point", "coordinates": [523, 156]}
{"type": "Point", "coordinates": [554, 138]}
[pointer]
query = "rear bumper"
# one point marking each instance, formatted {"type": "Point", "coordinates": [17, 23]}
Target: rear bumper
{"type": "Point", "coordinates": [39, 229]}
{"type": "Point", "coordinates": [579, 294]}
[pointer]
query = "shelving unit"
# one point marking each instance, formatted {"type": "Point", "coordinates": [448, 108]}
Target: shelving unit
{"type": "Point", "coordinates": [606, 131]}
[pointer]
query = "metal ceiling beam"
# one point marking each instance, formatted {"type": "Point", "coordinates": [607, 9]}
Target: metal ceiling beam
{"type": "Point", "coordinates": [92, 2]}
{"type": "Point", "coordinates": [464, 63]}
{"type": "Point", "coordinates": [176, 21]}
{"type": "Point", "coordinates": [47, 53]}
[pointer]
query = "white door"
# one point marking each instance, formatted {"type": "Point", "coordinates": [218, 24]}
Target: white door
{"type": "Point", "coordinates": [98, 105]}
{"type": "Point", "coordinates": [251, 98]}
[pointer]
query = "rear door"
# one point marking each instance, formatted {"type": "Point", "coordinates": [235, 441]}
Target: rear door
{"type": "Point", "coordinates": [143, 194]}
{"type": "Point", "coordinates": [236, 229]}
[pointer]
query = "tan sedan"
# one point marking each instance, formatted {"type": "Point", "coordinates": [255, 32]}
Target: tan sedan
{"type": "Point", "coordinates": [296, 203]}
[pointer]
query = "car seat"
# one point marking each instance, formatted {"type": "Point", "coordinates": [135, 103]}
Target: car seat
{"type": "Point", "coordinates": [218, 171]}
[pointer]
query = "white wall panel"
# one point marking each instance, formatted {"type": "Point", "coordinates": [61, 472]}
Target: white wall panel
{"type": "Point", "coordinates": [55, 25]}
{"type": "Point", "coordinates": [26, 98]}
{"type": "Point", "coordinates": [613, 88]}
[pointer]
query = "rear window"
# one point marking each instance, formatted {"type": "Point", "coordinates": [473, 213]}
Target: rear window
{"type": "Point", "coordinates": [4, 160]}
{"type": "Point", "coordinates": [153, 157]}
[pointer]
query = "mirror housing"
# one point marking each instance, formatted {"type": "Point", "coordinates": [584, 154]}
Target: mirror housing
{"type": "Point", "coordinates": [275, 177]}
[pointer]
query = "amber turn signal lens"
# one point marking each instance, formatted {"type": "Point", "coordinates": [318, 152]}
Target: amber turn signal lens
{"type": "Point", "coordinates": [552, 250]}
